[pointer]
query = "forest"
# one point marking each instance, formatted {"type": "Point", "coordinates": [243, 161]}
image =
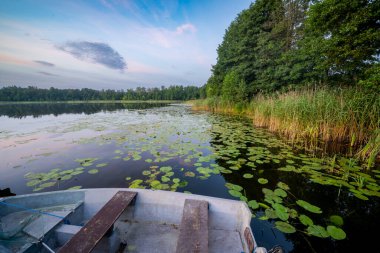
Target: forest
{"type": "Point", "coordinates": [175, 92]}
{"type": "Point", "coordinates": [277, 45]}
{"type": "Point", "coordinates": [307, 69]}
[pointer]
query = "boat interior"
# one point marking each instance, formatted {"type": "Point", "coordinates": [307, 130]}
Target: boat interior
{"type": "Point", "coordinates": [151, 221]}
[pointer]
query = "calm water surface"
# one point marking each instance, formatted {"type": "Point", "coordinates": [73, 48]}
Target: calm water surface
{"type": "Point", "coordinates": [46, 147]}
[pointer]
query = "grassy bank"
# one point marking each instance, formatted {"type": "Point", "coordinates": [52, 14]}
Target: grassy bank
{"type": "Point", "coordinates": [322, 118]}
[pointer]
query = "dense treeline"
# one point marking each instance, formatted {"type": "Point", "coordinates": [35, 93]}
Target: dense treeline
{"type": "Point", "coordinates": [280, 44]}
{"type": "Point", "coordinates": [309, 69]}
{"type": "Point", "coordinates": [13, 93]}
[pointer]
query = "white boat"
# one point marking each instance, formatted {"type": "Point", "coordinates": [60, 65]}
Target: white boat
{"type": "Point", "coordinates": [123, 220]}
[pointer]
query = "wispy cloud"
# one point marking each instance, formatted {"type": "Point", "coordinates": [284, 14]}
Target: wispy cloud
{"type": "Point", "coordinates": [169, 38]}
{"type": "Point", "coordinates": [186, 28]}
{"type": "Point", "coordinates": [47, 73]}
{"type": "Point", "coordinates": [95, 52]}
{"type": "Point", "coordinates": [45, 63]}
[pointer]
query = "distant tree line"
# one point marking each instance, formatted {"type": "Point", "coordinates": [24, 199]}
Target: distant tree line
{"type": "Point", "coordinates": [284, 44]}
{"type": "Point", "coordinates": [14, 93]}
{"type": "Point", "coordinates": [39, 109]}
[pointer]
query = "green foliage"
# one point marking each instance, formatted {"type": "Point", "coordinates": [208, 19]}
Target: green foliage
{"type": "Point", "coordinates": [308, 206]}
{"type": "Point", "coordinates": [276, 45]}
{"type": "Point", "coordinates": [285, 227]}
{"type": "Point", "coordinates": [371, 79]}
{"type": "Point", "coordinates": [336, 233]}
{"type": "Point", "coordinates": [348, 35]}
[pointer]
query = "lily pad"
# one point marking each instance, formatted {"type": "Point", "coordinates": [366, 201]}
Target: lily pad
{"type": "Point", "coordinates": [337, 220]}
{"type": "Point", "coordinates": [234, 187]}
{"type": "Point", "coordinates": [235, 193]}
{"type": "Point", "coordinates": [280, 192]}
{"type": "Point", "coordinates": [165, 179]}
{"type": "Point", "coordinates": [318, 231]}
{"type": "Point", "coordinates": [270, 213]}
{"type": "Point", "coordinates": [46, 185]}
{"type": "Point", "coordinates": [75, 188]}
{"type": "Point", "coordinates": [281, 211]}
{"type": "Point", "coordinates": [285, 227]}
{"type": "Point", "coordinates": [189, 174]}
{"type": "Point", "coordinates": [248, 175]}
{"type": "Point", "coordinates": [309, 207]}
{"type": "Point", "coordinates": [93, 171]}
{"type": "Point", "coordinates": [262, 180]}
{"type": "Point", "coordinates": [336, 233]}
{"type": "Point", "coordinates": [253, 204]}
{"type": "Point", "coordinates": [146, 172]}
{"type": "Point", "coordinates": [305, 220]}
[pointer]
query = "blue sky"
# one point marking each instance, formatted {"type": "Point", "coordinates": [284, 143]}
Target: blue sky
{"type": "Point", "coordinates": [115, 44]}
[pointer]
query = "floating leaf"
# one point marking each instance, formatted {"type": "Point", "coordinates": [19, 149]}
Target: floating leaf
{"type": "Point", "coordinates": [235, 193]}
{"type": "Point", "coordinates": [165, 179]}
{"type": "Point", "coordinates": [101, 165]}
{"type": "Point", "coordinates": [137, 181]}
{"type": "Point", "coordinates": [318, 231]}
{"type": "Point", "coordinates": [75, 188]}
{"type": "Point", "coordinates": [166, 169]}
{"type": "Point", "coordinates": [262, 180]}
{"type": "Point", "coordinates": [270, 213]}
{"type": "Point", "coordinates": [33, 183]}
{"type": "Point", "coordinates": [146, 172]}
{"type": "Point", "coordinates": [66, 177]}
{"type": "Point", "coordinates": [176, 180]}
{"type": "Point", "coordinates": [336, 233]}
{"type": "Point", "coordinates": [305, 220]}
{"type": "Point", "coordinates": [281, 211]}
{"type": "Point", "coordinates": [280, 192]}
{"type": "Point", "coordinates": [46, 185]}
{"type": "Point", "coordinates": [234, 187]}
{"type": "Point", "coordinates": [284, 227]}
{"type": "Point", "coordinates": [93, 171]}
{"type": "Point", "coordinates": [337, 220]}
{"type": "Point", "coordinates": [189, 174]}
{"type": "Point", "coordinates": [155, 183]}
{"type": "Point", "coordinates": [309, 207]}
{"type": "Point", "coordinates": [248, 175]}
{"type": "Point", "coordinates": [253, 204]}
{"type": "Point", "coordinates": [243, 198]}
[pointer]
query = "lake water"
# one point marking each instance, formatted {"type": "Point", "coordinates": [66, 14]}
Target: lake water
{"type": "Point", "coordinates": [314, 202]}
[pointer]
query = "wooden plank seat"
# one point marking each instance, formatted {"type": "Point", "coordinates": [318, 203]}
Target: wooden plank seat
{"type": "Point", "coordinates": [90, 235]}
{"type": "Point", "coordinates": [193, 230]}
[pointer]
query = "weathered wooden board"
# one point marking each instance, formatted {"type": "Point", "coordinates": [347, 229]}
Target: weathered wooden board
{"type": "Point", "coordinates": [193, 237]}
{"type": "Point", "coordinates": [87, 238]}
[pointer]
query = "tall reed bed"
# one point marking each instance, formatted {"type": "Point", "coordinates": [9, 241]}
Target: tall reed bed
{"type": "Point", "coordinates": [324, 116]}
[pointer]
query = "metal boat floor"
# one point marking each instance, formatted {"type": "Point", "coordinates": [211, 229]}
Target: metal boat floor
{"type": "Point", "coordinates": [142, 237]}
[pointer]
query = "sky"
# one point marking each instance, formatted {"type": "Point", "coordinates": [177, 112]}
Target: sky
{"type": "Point", "coordinates": [111, 44]}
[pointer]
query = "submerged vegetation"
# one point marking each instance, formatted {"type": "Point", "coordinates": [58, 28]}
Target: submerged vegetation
{"type": "Point", "coordinates": [307, 69]}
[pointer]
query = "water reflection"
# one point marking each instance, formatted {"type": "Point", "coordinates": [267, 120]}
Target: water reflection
{"type": "Point", "coordinates": [170, 148]}
{"type": "Point", "coordinates": [38, 110]}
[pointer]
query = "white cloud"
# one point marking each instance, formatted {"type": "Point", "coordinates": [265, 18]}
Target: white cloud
{"type": "Point", "coordinates": [186, 28]}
